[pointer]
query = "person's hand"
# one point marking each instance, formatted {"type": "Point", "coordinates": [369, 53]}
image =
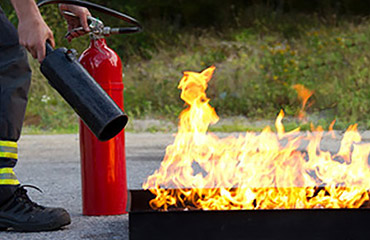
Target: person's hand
{"type": "Point", "coordinates": [33, 34]}
{"type": "Point", "coordinates": [32, 30]}
{"type": "Point", "coordinates": [80, 21]}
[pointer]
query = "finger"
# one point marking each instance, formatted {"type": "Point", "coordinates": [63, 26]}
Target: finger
{"type": "Point", "coordinates": [80, 33]}
{"type": "Point", "coordinates": [69, 36]}
{"type": "Point", "coordinates": [83, 21]}
{"type": "Point", "coordinates": [40, 52]}
{"type": "Point", "coordinates": [33, 53]}
{"type": "Point", "coordinates": [73, 34]}
{"type": "Point", "coordinates": [74, 24]}
{"type": "Point", "coordinates": [51, 39]}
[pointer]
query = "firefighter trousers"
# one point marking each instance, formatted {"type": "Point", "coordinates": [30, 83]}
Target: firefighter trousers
{"type": "Point", "coordinates": [15, 77]}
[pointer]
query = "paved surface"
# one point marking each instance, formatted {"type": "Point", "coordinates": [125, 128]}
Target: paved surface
{"type": "Point", "coordinates": [52, 163]}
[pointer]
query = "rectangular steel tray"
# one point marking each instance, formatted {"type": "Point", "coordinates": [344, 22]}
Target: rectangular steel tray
{"type": "Point", "coordinates": [294, 224]}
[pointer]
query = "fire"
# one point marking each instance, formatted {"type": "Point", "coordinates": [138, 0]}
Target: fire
{"type": "Point", "coordinates": [264, 170]}
{"type": "Point", "coordinates": [303, 94]}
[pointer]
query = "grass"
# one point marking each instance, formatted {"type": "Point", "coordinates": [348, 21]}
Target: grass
{"type": "Point", "coordinates": [257, 64]}
{"type": "Point", "coordinates": [35, 130]}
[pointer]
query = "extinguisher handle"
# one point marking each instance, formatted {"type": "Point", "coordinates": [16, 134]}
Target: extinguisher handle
{"type": "Point", "coordinates": [97, 27]}
{"type": "Point", "coordinates": [98, 8]}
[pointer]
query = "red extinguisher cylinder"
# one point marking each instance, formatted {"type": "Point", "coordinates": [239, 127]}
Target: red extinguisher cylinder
{"type": "Point", "coordinates": [103, 164]}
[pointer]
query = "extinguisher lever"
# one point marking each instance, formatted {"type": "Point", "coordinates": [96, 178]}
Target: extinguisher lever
{"type": "Point", "coordinates": [94, 24]}
{"type": "Point", "coordinates": [93, 21]}
{"type": "Point", "coordinates": [97, 27]}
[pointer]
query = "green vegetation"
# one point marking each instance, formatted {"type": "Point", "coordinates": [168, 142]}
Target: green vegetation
{"type": "Point", "coordinates": [259, 54]}
{"type": "Point", "coordinates": [257, 67]}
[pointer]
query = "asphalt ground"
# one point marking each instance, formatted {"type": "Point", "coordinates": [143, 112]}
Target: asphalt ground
{"type": "Point", "coordinates": [52, 163]}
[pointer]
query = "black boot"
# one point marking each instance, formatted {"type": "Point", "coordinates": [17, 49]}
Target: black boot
{"type": "Point", "coordinates": [19, 213]}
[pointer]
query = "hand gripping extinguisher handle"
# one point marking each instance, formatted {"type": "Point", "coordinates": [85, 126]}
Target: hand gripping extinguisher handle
{"type": "Point", "coordinates": [124, 17]}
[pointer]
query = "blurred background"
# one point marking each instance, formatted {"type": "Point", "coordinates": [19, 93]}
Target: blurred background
{"type": "Point", "coordinates": [261, 49]}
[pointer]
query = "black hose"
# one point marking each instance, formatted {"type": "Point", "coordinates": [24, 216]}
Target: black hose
{"type": "Point", "coordinates": [101, 9]}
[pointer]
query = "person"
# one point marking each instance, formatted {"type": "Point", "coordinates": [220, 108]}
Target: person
{"type": "Point", "coordinates": [17, 210]}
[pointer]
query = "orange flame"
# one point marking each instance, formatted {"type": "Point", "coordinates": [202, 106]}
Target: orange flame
{"type": "Point", "coordinates": [303, 94]}
{"type": "Point", "coordinates": [255, 171]}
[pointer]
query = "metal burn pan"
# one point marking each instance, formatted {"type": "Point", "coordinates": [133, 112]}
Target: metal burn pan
{"type": "Point", "coordinates": [289, 224]}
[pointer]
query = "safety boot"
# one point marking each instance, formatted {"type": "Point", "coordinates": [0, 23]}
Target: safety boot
{"type": "Point", "coordinates": [19, 213]}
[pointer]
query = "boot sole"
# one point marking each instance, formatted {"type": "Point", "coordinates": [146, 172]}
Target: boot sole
{"type": "Point", "coordinates": [28, 227]}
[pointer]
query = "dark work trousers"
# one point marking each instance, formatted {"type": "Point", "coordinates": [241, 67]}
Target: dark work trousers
{"type": "Point", "coordinates": [15, 77]}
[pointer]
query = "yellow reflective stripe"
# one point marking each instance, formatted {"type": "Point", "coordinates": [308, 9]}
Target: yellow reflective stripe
{"type": "Point", "coordinates": [6, 170]}
{"type": "Point", "coordinates": [9, 155]}
{"type": "Point", "coordinates": [8, 149]}
{"type": "Point", "coordinates": [9, 182]}
{"type": "Point", "coordinates": [8, 144]}
{"type": "Point", "coordinates": [7, 177]}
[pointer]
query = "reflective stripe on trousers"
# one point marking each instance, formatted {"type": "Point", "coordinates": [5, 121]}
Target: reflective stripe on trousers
{"type": "Point", "coordinates": [8, 151]}
{"type": "Point", "coordinates": [7, 177]}
{"type": "Point", "coordinates": [15, 77]}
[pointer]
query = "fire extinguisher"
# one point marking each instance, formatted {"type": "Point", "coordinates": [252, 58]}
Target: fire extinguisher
{"type": "Point", "coordinates": [103, 163]}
